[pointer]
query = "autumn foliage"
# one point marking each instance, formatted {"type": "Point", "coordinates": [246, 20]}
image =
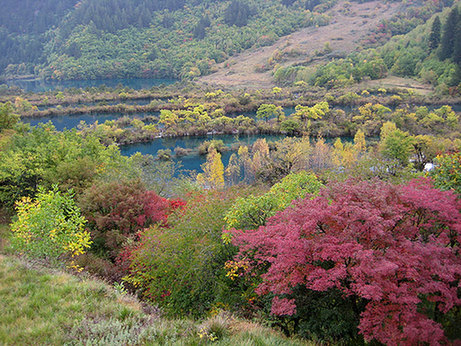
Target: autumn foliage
{"type": "Point", "coordinates": [118, 210]}
{"type": "Point", "coordinates": [393, 249]}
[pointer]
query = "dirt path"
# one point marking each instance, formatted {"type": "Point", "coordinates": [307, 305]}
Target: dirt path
{"type": "Point", "coordinates": [344, 33]}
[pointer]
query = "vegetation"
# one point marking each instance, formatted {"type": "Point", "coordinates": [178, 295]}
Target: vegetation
{"type": "Point", "coordinates": [421, 53]}
{"type": "Point", "coordinates": [49, 227]}
{"type": "Point", "coordinates": [326, 207]}
{"type": "Point", "coordinates": [332, 243]}
{"type": "Point", "coordinates": [41, 306]}
{"type": "Point", "coordinates": [137, 38]}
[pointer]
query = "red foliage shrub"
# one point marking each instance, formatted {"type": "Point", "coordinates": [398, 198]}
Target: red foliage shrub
{"type": "Point", "coordinates": [118, 210]}
{"type": "Point", "coordinates": [394, 247]}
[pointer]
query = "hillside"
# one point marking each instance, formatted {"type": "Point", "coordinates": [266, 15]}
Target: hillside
{"type": "Point", "coordinates": [349, 25]}
{"type": "Point", "coordinates": [41, 306]}
{"type": "Point", "coordinates": [237, 42]}
{"type": "Point", "coordinates": [181, 39]}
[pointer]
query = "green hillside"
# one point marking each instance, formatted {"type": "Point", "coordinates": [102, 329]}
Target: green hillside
{"type": "Point", "coordinates": [112, 38]}
{"type": "Point", "coordinates": [93, 39]}
{"type": "Point", "coordinates": [430, 53]}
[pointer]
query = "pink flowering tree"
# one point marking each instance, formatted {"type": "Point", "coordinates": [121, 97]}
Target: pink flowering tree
{"type": "Point", "coordinates": [394, 250]}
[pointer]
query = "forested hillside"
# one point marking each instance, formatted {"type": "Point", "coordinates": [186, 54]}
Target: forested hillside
{"type": "Point", "coordinates": [92, 39]}
{"type": "Point", "coordinates": [23, 24]}
{"type": "Point", "coordinates": [112, 38]}
{"type": "Point", "coordinates": [429, 52]}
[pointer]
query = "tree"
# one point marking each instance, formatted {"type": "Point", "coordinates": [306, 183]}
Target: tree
{"type": "Point", "coordinates": [434, 38]}
{"type": "Point", "coordinates": [43, 156]}
{"type": "Point", "coordinates": [457, 44]}
{"type": "Point", "coordinates": [360, 144]}
{"type": "Point", "coordinates": [7, 116]}
{"type": "Point", "coordinates": [237, 13]}
{"type": "Point", "coordinates": [267, 111]}
{"type": "Point", "coordinates": [233, 170]}
{"type": "Point", "coordinates": [213, 171]}
{"type": "Point", "coordinates": [290, 126]}
{"type": "Point", "coordinates": [318, 111]}
{"type": "Point", "coordinates": [397, 145]}
{"type": "Point", "coordinates": [447, 172]}
{"type": "Point", "coordinates": [181, 267]}
{"type": "Point", "coordinates": [199, 31]}
{"type": "Point", "coordinates": [117, 210]}
{"type": "Point", "coordinates": [253, 211]}
{"type": "Point", "coordinates": [448, 36]}
{"type": "Point", "coordinates": [392, 250]}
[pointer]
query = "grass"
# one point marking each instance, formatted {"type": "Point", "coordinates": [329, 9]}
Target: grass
{"type": "Point", "coordinates": [4, 230]}
{"type": "Point", "coordinates": [48, 306]}
{"type": "Point", "coordinates": [41, 307]}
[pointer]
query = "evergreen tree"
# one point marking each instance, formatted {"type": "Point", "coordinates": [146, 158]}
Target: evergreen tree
{"type": "Point", "coordinates": [199, 31]}
{"type": "Point", "coordinates": [237, 14]}
{"type": "Point", "coordinates": [310, 4]}
{"type": "Point", "coordinates": [288, 2]}
{"type": "Point", "coordinates": [448, 37]}
{"type": "Point", "coordinates": [434, 38]}
{"type": "Point", "coordinates": [457, 43]}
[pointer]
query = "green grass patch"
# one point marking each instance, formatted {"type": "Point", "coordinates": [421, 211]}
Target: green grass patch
{"type": "Point", "coordinates": [40, 307]}
{"type": "Point", "coordinates": [43, 306]}
{"type": "Point", "coordinates": [4, 234]}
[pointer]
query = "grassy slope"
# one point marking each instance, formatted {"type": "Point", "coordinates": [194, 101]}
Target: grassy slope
{"type": "Point", "coordinates": [44, 306]}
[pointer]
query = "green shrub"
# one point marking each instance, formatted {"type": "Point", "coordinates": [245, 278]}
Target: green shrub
{"type": "Point", "coordinates": [49, 226]}
{"type": "Point", "coordinates": [181, 267]}
{"type": "Point", "coordinates": [447, 172]}
{"type": "Point", "coordinates": [253, 211]}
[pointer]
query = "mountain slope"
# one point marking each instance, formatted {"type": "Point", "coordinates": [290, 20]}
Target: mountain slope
{"type": "Point", "coordinates": [343, 35]}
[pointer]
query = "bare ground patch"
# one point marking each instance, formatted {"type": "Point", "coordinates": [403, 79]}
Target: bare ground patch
{"type": "Point", "coordinates": [398, 82]}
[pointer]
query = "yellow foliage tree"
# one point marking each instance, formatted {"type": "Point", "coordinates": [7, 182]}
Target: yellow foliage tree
{"type": "Point", "coordinates": [359, 142]}
{"type": "Point", "coordinates": [213, 171]}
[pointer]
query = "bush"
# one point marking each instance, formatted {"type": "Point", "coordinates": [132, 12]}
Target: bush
{"type": "Point", "coordinates": [181, 267]}
{"type": "Point", "coordinates": [117, 210]}
{"type": "Point", "coordinates": [447, 172]}
{"type": "Point", "coordinates": [43, 157]}
{"type": "Point", "coordinates": [49, 226]}
{"type": "Point", "coordinates": [253, 211]}
{"type": "Point", "coordinates": [391, 252]}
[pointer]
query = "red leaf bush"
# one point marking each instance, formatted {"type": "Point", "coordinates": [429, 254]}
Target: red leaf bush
{"type": "Point", "coordinates": [396, 248]}
{"type": "Point", "coordinates": [118, 210]}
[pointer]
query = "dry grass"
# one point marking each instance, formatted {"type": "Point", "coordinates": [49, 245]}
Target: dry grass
{"type": "Point", "coordinates": [398, 82]}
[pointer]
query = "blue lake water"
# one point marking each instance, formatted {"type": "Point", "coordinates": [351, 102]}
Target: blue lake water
{"type": "Point", "coordinates": [68, 122]}
{"type": "Point", "coordinates": [62, 122]}
{"type": "Point", "coordinates": [138, 102]}
{"type": "Point", "coordinates": [132, 83]}
{"type": "Point", "coordinates": [193, 161]}
{"type": "Point", "coordinates": [189, 162]}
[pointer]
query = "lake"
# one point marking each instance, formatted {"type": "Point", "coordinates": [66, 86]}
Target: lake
{"type": "Point", "coordinates": [189, 162]}
{"type": "Point", "coordinates": [132, 83]}
{"type": "Point", "coordinates": [193, 161]}
{"type": "Point", "coordinates": [62, 122]}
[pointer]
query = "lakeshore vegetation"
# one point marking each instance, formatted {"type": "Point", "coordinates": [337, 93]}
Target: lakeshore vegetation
{"type": "Point", "coordinates": [346, 229]}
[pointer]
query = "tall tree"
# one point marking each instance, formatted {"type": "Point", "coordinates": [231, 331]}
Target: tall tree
{"type": "Point", "coordinates": [213, 171]}
{"type": "Point", "coordinates": [457, 43]}
{"type": "Point", "coordinates": [448, 36]}
{"type": "Point", "coordinates": [434, 38]}
{"type": "Point", "coordinates": [237, 14]}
